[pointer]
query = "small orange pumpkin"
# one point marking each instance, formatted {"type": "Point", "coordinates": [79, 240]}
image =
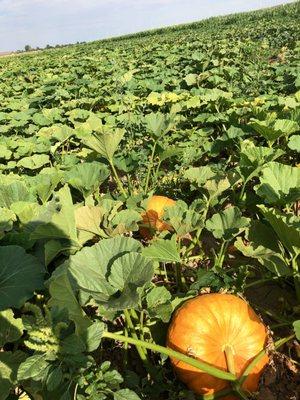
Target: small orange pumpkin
{"type": "Point", "coordinates": [152, 217]}
{"type": "Point", "coordinates": [207, 325]}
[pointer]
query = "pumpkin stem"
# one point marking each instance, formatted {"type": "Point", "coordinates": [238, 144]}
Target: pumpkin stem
{"type": "Point", "coordinates": [229, 358]}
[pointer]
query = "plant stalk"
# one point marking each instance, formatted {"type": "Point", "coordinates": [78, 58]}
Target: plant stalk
{"type": "Point", "coordinates": [150, 167]}
{"type": "Point", "coordinates": [116, 176]}
{"type": "Point", "coordinates": [216, 372]}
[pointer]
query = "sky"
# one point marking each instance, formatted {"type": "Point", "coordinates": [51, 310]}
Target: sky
{"type": "Point", "coordinates": [42, 22]}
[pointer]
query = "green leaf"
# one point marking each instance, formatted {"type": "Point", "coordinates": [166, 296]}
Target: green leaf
{"type": "Point", "coordinates": [63, 297]}
{"type": "Point", "coordinates": [4, 152]}
{"type": "Point", "coordinates": [7, 219]}
{"type": "Point", "coordinates": [159, 303]}
{"type": "Point", "coordinates": [227, 224]}
{"type": "Point", "coordinates": [296, 326]}
{"type": "Point", "coordinates": [286, 227]}
{"type": "Point", "coordinates": [20, 275]}
{"type": "Point", "coordinates": [88, 219]}
{"type": "Point", "coordinates": [54, 378]}
{"type": "Point", "coordinates": [11, 328]}
{"type": "Point", "coordinates": [13, 192]}
{"type": "Point", "coordinates": [94, 335]}
{"type": "Point", "coordinates": [183, 220]}
{"type": "Point", "coordinates": [199, 175]}
{"type": "Point", "coordinates": [32, 367]}
{"type": "Point", "coordinates": [105, 142]}
{"type": "Point", "coordinates": [294, 143]}
{"type": "Point", "coordinates": [62, 221]}
{"type": "Point", "coordinates": [162, 250]}
{"type": "Point", "coordinates": [126, 394]}
{"type": "Point", "coordinates": [9, 364]}
{"type": "Point", "coordinates": [279, 184]}
{"type": "Point", "coordinates": [91, 277]}
{"type": "Point", "coordinates": [191, 79]}
{"type": "Point", "coordinates": [36, 161]}
{"type": "Point", "coordinates": [87, 177]}
{"type": "Point", "coordinates": [158, 124]}
{"type": "Point", "coordinates": [129, 273]}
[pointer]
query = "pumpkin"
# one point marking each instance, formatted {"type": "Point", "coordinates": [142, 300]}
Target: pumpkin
{"type": "Point", "coordinates": [207, 325]}
{"type": "Point", "coordinates": [152, 217]}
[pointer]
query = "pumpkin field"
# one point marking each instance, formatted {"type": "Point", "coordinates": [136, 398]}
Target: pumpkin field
{"type": "Point", "coordinates": [150, 214]}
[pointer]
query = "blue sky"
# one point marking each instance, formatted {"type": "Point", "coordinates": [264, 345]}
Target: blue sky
{"type": "Point", "coordinates": [42, 22]}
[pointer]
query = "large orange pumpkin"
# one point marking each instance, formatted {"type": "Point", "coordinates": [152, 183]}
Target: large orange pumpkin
{"type": "Point", "coordinates": [207, 325]}
{"type": "Point", "coordinates": [152, 217]}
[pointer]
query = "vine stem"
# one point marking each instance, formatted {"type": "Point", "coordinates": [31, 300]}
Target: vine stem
{"type": "Point", "coordinates": [216, 372]}
{"type": "Point", "coordinates": [150, 167]}
{"type": "Point", "coordinates": [119, 183]}
{"type": "Point", "coordinates": [142, 352]}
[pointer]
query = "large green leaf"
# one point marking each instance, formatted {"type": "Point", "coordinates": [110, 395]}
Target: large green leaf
{"type": "Point", "coordinates": [9, 364]}
{"type": "Point", "coordinates": [12, 192]}
{"type": "Point", "coordinates": [279, 184]}
{"type": "Point", "coordinates": [286, 227]}
{"type": "Point", "coordinates": [63, 296]}
{"type": "Point", "coordinates": [34, 162]}
{"type": "Point", "coordinates": [11, 328]}
{"type": "Point", "coordinates": [162, 250]}
{"type": "Point", "coordinates": [129, 273]}
{"type": "Point", "coordinates": [87, 177]}
{"type": "Point", "coordinates": [90, 267]}
{"type": "Point", "coordinates": [105, 142]}
{"type": "Point", "coordinates": [158, 123]}
{"type": "Point", "coordinates": [20, 275]}
{"type": "Point", "coordinates": [227, 224]}
{"type": "Point", "coordinates": [61, 223]}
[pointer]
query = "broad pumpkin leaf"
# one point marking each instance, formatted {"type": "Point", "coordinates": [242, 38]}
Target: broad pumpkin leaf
{"type": "Point", "coordinates": [26, 211]}
{"type": "Point", "coordinates": [11, 328]}
{"type": "Point", "coordinates": [94, 335]}
{"type": "Point", "coordinates": [256, 156]}
{"type": "Point", "coordinates": [63, 297]}
{"type": "Point", "coordinates": [158, 124]}
{"type": "Point", "coordinates": [162, 250]}
{"type": "Point", "coordinates": [9, 364]}
{"type": "Point", "coordinates": [61, 222]}
{"type": "Point", "coordinates": [5, 152]}
{"type": "Point", "coordinates": [159, 303]}
{"type": "Point", "coordinates": [105, 142]}
{"type": "Point", "coordinates": [88, 219]}
{"type": "Point", "coordinates": [44, 185]}
{"type": "Point", "coordinates": [183, 219]}
{"type": "Point", "coordinates": [227, 224]}
{"type": "Point", "coordinates": [12, 192]}
{"type": "Point", "coordinates": [32, 367]}
{"type": "Point", "coordinates": [87, 177]}
{"type": "Point", "coordinates": [20, 275]}
{"type": "Point", "coordinates": [271, 130]}
{"type": "Point", "coordinates": [7, 219]}
{"type": "Point", "coordinates": [36, 161]}
{"type": "Point", "coordinates": [126, 394]}
{"type": "Point", "coordinates": [270, 259]}
{"type": "Point", "coordinates": [286, 227]}
{"type": "Point", "coordinates": [279, 184]}
{"type": "Point", "coordinates": [129, 273]}
{"type": "Point", "coordinates": [200, 175]}
{"type": "Point", "coordinates": [92, 277]}
{"type": "Point", "coordinates": [294, 143]}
